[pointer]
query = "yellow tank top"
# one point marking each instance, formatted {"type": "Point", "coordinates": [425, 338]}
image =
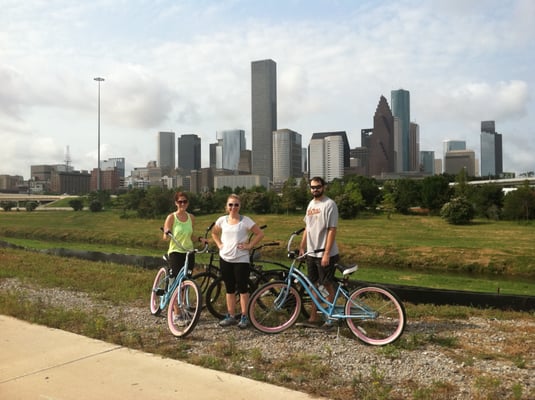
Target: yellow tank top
{"type": "Point", "coordinates": [182, 232]}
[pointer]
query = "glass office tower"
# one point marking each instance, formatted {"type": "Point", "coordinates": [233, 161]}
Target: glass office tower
{"type": "Point", "coordinates": [263, 115]}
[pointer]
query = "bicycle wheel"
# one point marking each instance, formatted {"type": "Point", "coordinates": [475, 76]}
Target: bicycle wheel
{"type": "Point", "coordinates": [158, 291]}
{"type": "Point", "coordinates": [273, 308]}
{"type": "Point", "coordinates": [377, 317]}
{"type": "Point", "coordinates": [184, 311]}
{"type": "Point", "coordinates": [216, 299]}
{"type": "Point", "coordinates": [204, 280]}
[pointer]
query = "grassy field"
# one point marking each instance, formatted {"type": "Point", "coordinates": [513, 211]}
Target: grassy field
{"type": "Point", "coordinates": [414, 250]}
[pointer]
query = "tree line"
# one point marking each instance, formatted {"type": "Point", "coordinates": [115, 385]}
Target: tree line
{"type": "Point", "coordinates": [448, 196]}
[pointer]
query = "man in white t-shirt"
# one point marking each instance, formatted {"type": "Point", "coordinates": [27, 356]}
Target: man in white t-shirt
{"type": "Point", "coordinates": [321, 220]}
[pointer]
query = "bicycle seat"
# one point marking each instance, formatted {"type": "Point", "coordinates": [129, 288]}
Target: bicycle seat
{"type": "Point", "coordinates": [347, 270]}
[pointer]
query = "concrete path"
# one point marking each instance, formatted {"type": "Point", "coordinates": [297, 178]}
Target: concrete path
{"type": "Point", "coordinates": [38, 362]}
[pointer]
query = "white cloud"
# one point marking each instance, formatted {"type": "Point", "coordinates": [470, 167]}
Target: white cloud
{"type": "Point", "coordinates": [186, 68]}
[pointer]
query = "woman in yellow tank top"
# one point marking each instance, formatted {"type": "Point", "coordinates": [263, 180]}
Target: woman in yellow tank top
{"type": "Point", "coordinates": [181, 224]}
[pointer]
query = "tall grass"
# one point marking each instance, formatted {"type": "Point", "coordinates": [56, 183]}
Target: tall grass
{"type": "Point", "coordinates": [412, 250]}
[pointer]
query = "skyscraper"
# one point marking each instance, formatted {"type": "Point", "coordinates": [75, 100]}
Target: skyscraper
{"type": "Point", "coordinates": [263, 115]}
{"type": "Point", "coordinates": [286, 155]}
{"type": "Point", "coordinates": [328, 155]}
{"type": "Point", "coordinates": [414, 146]}
{"type": "Point", "coordinates": [401, 108]}
{"type": "Point", "coordinates": [166, 151]}
{"type": "Point", "coordinates": [230, 144]}
{"type": "Point", "coordinates": [491, 150]}
{"type": "Point", "coordinates": [381, 157]}
{"type": "Point", "coordinates": [451, 145]}
{"type": "Point", "coordinates": [189, 153]}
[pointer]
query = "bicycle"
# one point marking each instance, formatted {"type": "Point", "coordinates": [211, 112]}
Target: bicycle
{"type": "Point", "coordinates": [181, 295]}
{"type": "Point", "coordinates": [209, 272]}
{"type": "Point", "coordinates": [374, 314]}
{"type": "Point", "coordinates": [258, 274]}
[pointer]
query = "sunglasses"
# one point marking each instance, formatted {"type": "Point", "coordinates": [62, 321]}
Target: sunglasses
{"type": "Point", "coordinates": [316, 187]}
{"type": "Point", "coordinates": [233, 205]}
{"type": "Point", "coordinates": [182, 201]}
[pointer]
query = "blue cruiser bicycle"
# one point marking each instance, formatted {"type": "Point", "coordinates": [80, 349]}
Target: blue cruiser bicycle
{"type": "Point", "coordinates": [374, 314]}
{"type": "Point", "coordinates": [181, 295]}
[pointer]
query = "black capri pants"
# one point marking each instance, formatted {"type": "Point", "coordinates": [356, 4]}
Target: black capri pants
{"type": "Point", "coordinates": [234, 275]}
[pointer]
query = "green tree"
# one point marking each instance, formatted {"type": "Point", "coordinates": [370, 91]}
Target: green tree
{"type": "Point", "coordinates": [95, 206]}
{"type": "Point", "coordinates": [157, 203]}
{"type": "Point", "coordinates": [103, 197]}
{"type": "Point", "coordinates": [369, 189]}
{"type": "Point", "coordinates": [435, 193]}
{"type": "Point", "coordinates": [347, 208]}
{"type": "Point", "coordinates": [458, 211]}
{"type": "Point", "coordinates": [132, 199]}
{"type": "Point", "coordinates": [520, 203]}
{"type": "Point", "coordinates": [7, 205]}
{"type": "Point", "coordinates": [487, 200]}
{"type": "Point", "coordinates": [289, 195]}
{"type": "Point", "coordinates": [407, 194]}
{"type": "Point", "coordinates": [31, 205]}
{"type": "Point", "coordinates": [257, 202]}
{"type": "Point", "coordinates": [76, 204]}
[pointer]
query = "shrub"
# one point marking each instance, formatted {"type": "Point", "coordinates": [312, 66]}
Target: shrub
{"type": "Point", "coordinates": [458, 211]}
{"type": "Point", "coordinates": [95, 206]}
{"type": "Point", "coordinates": [77, 204]}
{"type": "Point", "coordinates": [7, 205]}
{"type": "Point", "coordinates": [31, 205]}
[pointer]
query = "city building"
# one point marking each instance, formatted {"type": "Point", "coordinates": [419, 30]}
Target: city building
{"type": "Point", "coordinates": [427, 162]}
{"type": "Point", "coordinates": [414, 147]}
{"type": "Point", "coordinates": [401, 108]}
{"type": "Point", "coordinates": [110, 180]}
{"type": "Point", "coordinates": [287, 150]}
{"type": "Point", "coordinates": [202, 180]}
{"type": "Point", "coordinates": [111, 163]}
{"type": "Point", "coordinates": [328, 155]}
{"type": "Point", "coordinates": [189, 153]}
{"type": "Point", "coordinates": [380, 144]}
{"type": "Point", "coordinates": [244, 166]}
{"type": "Point", "coordinates": [263, 115]}
{"type": "Point", "coordinates": [491, 150]}
{"type": "Point", "coordinates": [166, 151]}
{"type": "Point", "coordinates": [10, 183]}
{"type": "Point", "coordinates": [76, 182]}
{"type": "Point", "coordinates": [456, 160]}
{"type": "Point", "coordinates": [451, 145]}
{"type": "Point", "coordinates": [230, 144]}
{"type": "Point", "coordinates": [242, 181]}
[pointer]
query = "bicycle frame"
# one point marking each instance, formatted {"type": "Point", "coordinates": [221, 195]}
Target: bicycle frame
{"type": "Point", "coordinates": [182, 274]}
{"type": "Point", "coordinates": [331, 310]}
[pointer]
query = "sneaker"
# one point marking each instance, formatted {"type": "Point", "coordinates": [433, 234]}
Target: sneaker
{"type": "Point", "coordinates": [178, 320]}
{"type": "Point", "coordinates": [244, 322]}
{"type": "Point", "coordinates": [228, 321]}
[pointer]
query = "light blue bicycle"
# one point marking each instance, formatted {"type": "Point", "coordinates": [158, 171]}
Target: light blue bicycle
{"type": "Point", "coordinates": [373, 314]}
{"type": "Point", "coordinates": [181, 295]}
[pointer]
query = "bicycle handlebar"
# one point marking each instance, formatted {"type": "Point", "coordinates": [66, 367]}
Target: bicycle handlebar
{"type": "Point", "coordinates": [199, 251]}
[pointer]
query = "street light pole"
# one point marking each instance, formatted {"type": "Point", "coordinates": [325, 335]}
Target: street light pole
{"type": "Point", "coordinates": [98, 79]}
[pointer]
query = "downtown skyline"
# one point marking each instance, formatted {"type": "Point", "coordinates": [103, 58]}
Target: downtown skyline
{"type": "Point", "coordinates": [462, 62]}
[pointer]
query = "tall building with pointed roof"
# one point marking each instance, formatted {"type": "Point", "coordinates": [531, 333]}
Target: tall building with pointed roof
{"type": "Point", "coordinates": [381, 157]}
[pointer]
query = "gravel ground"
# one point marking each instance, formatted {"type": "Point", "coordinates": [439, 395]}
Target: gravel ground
{"type": "Point", "coordinates": [474, 358]}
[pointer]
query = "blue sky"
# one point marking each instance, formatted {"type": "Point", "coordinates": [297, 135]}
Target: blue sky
{"type": "Point", "coordinates": [184, 66]}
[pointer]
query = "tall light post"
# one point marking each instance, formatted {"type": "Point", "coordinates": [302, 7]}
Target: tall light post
{"type": "Point", "coordinates": [98, 79]}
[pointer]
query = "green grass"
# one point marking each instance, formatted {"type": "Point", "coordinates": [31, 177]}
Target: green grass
{"type": "Point", "coordinates": [411, 250]}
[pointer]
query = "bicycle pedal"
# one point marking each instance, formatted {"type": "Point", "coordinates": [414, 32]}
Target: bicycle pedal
{"type": "Point", "coordinates": [159, 292]}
